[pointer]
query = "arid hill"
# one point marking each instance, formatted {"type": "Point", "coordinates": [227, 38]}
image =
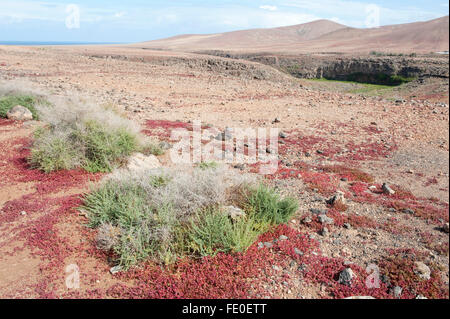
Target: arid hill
{"type": "Point", "coordinates": [319, 36]}
{"type": "Point", "coordinates": [255, 38]}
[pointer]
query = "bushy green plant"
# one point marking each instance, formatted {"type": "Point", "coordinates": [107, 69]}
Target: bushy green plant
{"type": "Point", "coordinates": [105, 147]}
{"type": "Point", "coordinates": [7, 102]}
{"type": "Point", "coordinates": [153, 148]}
{"type": "Point", "coordinates": [207, 165]}
{"type": "Point", "coordinates": [53, 153]}
{"type": "Point", "coordinates": [209, 232]}
{"type": "Point", "coordinates": [147, 230]}
{"type": "Point", "coordinates": [265, 204]}
{"type": "Point", "coordinates": [167, 214]}
{"type": "Point", "coordinates": [76, 136]}
{"type": "Point", "coordinates": [212, 231]}
{"type": "Point", "coordinates": [94, 147]}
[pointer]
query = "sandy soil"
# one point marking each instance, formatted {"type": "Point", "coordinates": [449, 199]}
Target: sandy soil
{"type": "Point", "coordinates": [404, 144]}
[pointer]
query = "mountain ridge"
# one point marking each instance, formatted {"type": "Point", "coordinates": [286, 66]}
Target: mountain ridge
{"type": "Point", "coordinates": [317, 36]}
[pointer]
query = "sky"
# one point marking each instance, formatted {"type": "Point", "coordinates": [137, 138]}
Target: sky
{"type": "Point", "coordinates": [139, 20]}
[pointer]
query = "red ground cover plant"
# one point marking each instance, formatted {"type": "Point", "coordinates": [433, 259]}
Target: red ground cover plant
{"type": "Point", "coordinates": [399, 267]}
{"type": "Point", "coordinates": [339, 206]}
{"type": "Point", "coordinates": [4, 122]}
{"type": "Point", "coordinates": [351, 174]}
{"type": "Point", "coordinates": [340, 218]}
{"type": "Point", "coordinates": [432, 242]}
{"type": "Point", "coordinates": [296, 141]}
{"type": "Point", "coordinates": [163, 128]}
{"type": "Point", "coordinates": [44, 206]}
{"type": "Point", "coordinates": [425, 211]}
{"type": "Point", "coordinates": [431, 181]}
{"type": "Point", "coordinates": [223, 276]}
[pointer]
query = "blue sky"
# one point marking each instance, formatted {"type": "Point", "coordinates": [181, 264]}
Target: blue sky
{"type": "Point", "coordinates": [140, 20]}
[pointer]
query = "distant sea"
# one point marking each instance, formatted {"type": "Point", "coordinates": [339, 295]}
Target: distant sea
{"type": "Point", "coordinates": [37, 43]}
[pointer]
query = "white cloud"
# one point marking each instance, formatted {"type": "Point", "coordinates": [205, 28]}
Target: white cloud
{"type": "Point", "coordinates": [120, 14]}
{"type": "Point", "coordinates": [19, 11]}
{"type": "Point", "coordinates": [153, 19]}
{"type": "Point", "coordinates": [247, 18]}
{"type": "Point", "coordinates": [270, 8]}
{"type": "Point", "coordinates": [353, 12]}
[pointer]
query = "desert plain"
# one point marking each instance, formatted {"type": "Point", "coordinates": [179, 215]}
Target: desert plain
{"type": "Point", "coordinates": [337, 136]}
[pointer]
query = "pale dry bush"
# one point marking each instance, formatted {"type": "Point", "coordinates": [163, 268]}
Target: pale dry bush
{"type": "Point", "coordinates": [20, 87]}
{"type": "Point", "coordinates": [186, 190]}
{"type": "Point", "coordinates": [74, 111]}
{"type": "Point", "coordinates": [155, 208]}
{"type": "Point", "coordinates": [81, 133]}
{"type": "Point", "coordinates": [107, 236]}
{"type": "Point", "coordinates": [21, 93]}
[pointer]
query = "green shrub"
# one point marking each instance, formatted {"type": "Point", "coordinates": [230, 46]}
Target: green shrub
{"type": "Point", "coordinates": [153, 148]}
{"type": "Point", "coordinates": [118, 204]}
{"type": "Point", "coordinates": [159, 180]}
{"type": "Point", "coordinates": [9, 101]}
{"type": "Point", "coordinates": [209, 232]}
{"type": "Point", "coordinates": [207, 165]}
{"type": "Point", "coordinates": [266, 205]}
{"type": "Point", "coordinates": [84, 136]}
{"type": "Point", "coordinates": [104, 147]}
{"type": "Point", "coordinates": [146, 230]}
{"type": "Point", "coordinates": [212, 231]}
{"type": "Point", "coordinates": [95, 147]}
{"type": "Point", "coordinates": [245, 232]}
{"type": "Point", "coordinates": [53, 153]}
{"type": "Point", "coordinates": [168, 214]}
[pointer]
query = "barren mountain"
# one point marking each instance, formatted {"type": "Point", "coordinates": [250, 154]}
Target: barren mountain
{"type": "Point", "coordinates": [255, 38]}
{"type": "Point", "coordinates": [319, 36]}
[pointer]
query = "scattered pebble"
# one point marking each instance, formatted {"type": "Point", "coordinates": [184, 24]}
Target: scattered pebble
{"type": "Point", "coordinates": [268, 244]}
{"type": "Point", "coordinates": [324, 219]}
{"type": "Point", "coordinates": [283, 135]}
{"type": "Point", "coordinates": [397, 291]}
{"type": "Point", "coordinates": [346, 277]}
{"type": "Point", "coordinates": [325, 232]}
{"type": "Point", "coordinates": [387, 189]}
{"type": "Point", "coordinates": [115, 269]}
{"type": "Point", "coordinates": [422, 270]}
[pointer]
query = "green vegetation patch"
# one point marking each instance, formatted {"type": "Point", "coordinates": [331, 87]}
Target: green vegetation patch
{"type": "Point", "coordinates": [92, 146]}
{"type": "Point", "coordinates": [164, 215]}
{"type": "Point", "coordinates": [379, 78]}
{"type": "Point", "coordinates": [212, 231]}
{"type": "Point", "coordinates": [85, 136]}
{"type": "Point", "coordinates": [7, 102]}
{"type": "Point", "coordinates": [356, 87]}
{"type": "Point", "coordinates": [266, 205]}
